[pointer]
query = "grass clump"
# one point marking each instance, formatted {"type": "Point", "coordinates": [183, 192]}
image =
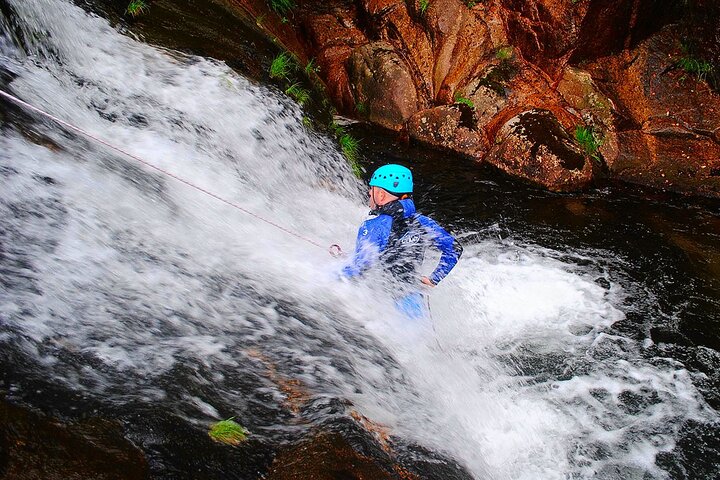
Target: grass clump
{"type": "Point", "coordinates": [281, 7]}
{"type": "Point", "coordinates": [281, 66]}
{"type": "Point", "coordinates": [301, 95]}
{"type": "Point", "coordinates": [349, 146]}
{"type": "Point", "coordinates": [228, 432]}
{"type": "Point", "coordinates": [588, 140]}
{"type": "Point", "coordinates": [424, 4]}
{"type": "Point", "coordinates": [465, 101]}
{"type": "Point", "coordinates": [311, 69]}
{"type": "Point", "coordinates": [136, 7]}
{"type": "Point", "coordinates": [700, 68]}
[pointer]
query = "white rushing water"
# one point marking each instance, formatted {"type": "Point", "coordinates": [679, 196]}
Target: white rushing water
{"type": "Point", "coordinates": [108, 258]}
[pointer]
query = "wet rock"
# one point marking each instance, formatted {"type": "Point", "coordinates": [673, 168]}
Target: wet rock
{"type": "Point", "coordinates": [350, 452]}
{"type": "Point", "coordinates": [333, 37]}
{"type": "Point", "coordinates": [393, 22]}
{"type": "Point", "coordinates": [552, 32]}
{"type": "Point", "coordinates": [668, 119]}
{"type": "Point", "coordinates": [383, 84]}
{"type": "Point", "coordinates": [327, 456]}
{"type": "Point", "coordinates": [534, 146]}
{"type": "Point", "coordinates": [33, 446]}
{"type": "Point", "coordinates": [488, 92]}
{"type": "Point", "coordinates": [394, 65]}
{"type": "Point", "coordinates": [462, 46]}
{"type": "Point", "coordinates": [544, 30]}
{"type": "Point", "coordinates": [451, 127]}
{"type": "Point", "coordinates": [578, 89]}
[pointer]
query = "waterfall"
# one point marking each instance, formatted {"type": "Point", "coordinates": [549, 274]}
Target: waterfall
{"type": "Point", "coordinates": [130, 287]}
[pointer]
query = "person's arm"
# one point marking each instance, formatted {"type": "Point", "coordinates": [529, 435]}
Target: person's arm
{"type": "Point", "coordinates": [371, 239]}
{"type": "Point", "coordinates": [450, 249]}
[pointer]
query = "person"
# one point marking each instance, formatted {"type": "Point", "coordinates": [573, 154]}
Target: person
{"type": "Point", "coordinates": [396, 239]}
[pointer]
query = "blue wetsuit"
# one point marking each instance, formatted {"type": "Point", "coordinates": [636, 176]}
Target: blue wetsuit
{"type": "Point", "coordinates": [397, 238]}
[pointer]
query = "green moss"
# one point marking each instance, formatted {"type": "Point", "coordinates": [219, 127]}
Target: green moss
{"type": "Point", "coordinates": [504, 53]}
{"type": "Point", "coordinates": [424, 4]}
{"type": "Point", "coordinates": [228, 432]}
{"type": "Point", "coordinates": [465, 101]}
{"type": "Point", "coordinates": [136, 7]}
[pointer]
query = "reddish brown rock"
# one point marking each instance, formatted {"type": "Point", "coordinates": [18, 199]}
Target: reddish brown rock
{"type": "Point", "coordinates": [33, 446]}
{"type": "Point", "coordinates": [450, 127]}
{"type": "Point", "coordinates": [669, 119]}
{"type": "Point", "coordinates": [407, 67]}
{"type": "Point", "coordinates": [383, 84]}
{"type": "Point", "coordinates": [333, 37]}
{"type": "Point", "coordinates": [535, 147]}
{"type": "Point", "coordinates": [327, 456]}
{"type": "Point", "coordinates": [552, 32]}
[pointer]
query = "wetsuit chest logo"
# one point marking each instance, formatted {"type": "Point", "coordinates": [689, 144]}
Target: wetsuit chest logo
{"type": "Point", "coordinates": [410, 238]}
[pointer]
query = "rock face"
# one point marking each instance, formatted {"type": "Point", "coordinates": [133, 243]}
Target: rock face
{"type": "Point", "coordinates": [382, 83]}
{"type": "Point", "coordinates": [535, 147]}
{"type": "Point", "coordinates": [668, 135]}
{"type": "Point", "coordinates": [33, 446]}
{"type": "Point", "coordinates": [462, 76]}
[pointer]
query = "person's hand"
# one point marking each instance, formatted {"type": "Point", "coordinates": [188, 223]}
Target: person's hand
{"type": "Point", "coordinates": [427, 281]}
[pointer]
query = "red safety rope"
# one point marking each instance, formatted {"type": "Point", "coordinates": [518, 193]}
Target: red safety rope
{"type": "Point", "coordinates": [334, 250]}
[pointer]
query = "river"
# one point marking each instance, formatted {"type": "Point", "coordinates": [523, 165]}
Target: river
{"type": "Point", "coordinates": [577, 338]}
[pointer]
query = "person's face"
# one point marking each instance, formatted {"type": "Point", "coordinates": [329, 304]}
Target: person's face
{"type": "Point", "coordinates": [379, 197]}
{"type": "Point", "coordinates": [373, 192]}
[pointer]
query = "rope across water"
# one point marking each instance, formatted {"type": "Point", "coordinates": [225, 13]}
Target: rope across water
{"type": "Point", "coordinates": [334, 249]}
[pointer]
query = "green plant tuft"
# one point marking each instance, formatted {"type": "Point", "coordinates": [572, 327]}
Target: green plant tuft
{"type": "Point", "coordinates": [228, 432]}
{"type": "Point", "coordinates": [281, 66]}
{"type": "Point", "coordinates": [700, 68]}
{"type": "Point", "coordinates": [311, 69]}
{"type": "Point", "coordinates": [471, 3]}
{"type": "Point", "coordinates": [307, 122]}
{"type": "Point", "coordinates": [504, 53]}
{"type": "Point", "coordinates": [360, 108]}
{"type": "Point", "coordinates": [301, 95]}
{"type": "Point", "coordinates": [337, 130]}
{"type": "Point", "coordinates": [281, 7]}
{"type": "Point", "coordinates": [588, 140]}
{"type": "Point", "coordinates": [465, 101]}
{"type": "Point", "coordinates": [136, 7]}
{"type": "Point", "coordinates": [350, 148]}
{"type": "Point", "coordinates": [424, 4]}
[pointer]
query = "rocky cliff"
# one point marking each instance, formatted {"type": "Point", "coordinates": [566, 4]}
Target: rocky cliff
{"type": "Point", "coordinates": [560, 93]}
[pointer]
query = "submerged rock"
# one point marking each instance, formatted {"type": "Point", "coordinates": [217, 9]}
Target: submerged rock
{"type": "Point", "coordinates": [33, 446]}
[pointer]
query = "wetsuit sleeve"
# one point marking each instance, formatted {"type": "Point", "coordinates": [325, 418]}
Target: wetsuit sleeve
{"type": "Point", "coordinates": [450, 249]}
{"type": "Point", "coordinates": [371, 240]}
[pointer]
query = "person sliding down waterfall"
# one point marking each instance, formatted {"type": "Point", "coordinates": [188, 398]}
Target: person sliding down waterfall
{"type": "Point", "coordinates": [397, 237]}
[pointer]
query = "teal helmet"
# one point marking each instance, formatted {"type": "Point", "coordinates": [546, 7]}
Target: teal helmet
{"type": "Point", "coordinates": [393, 178]}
